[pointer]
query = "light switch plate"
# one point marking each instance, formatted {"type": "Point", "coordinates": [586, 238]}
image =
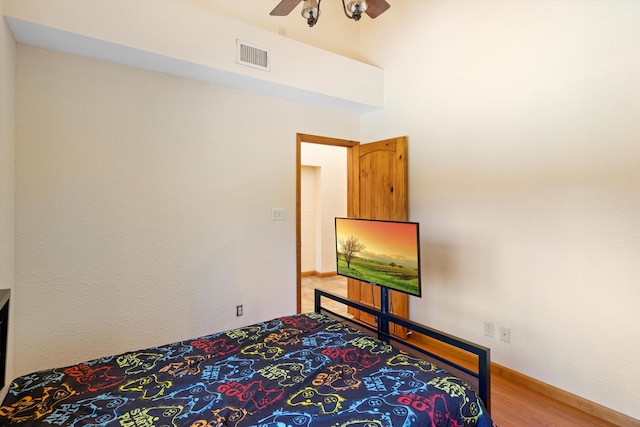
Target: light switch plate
{"type": "Point", "coordinates": [278, 213]}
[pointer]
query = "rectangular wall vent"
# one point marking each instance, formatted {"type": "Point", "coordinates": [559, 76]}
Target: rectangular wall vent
{"type": "Point", "coordinates": [252, 56]}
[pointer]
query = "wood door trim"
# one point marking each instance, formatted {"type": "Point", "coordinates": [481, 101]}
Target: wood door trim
{"type": "Point", "coordinates": [315, 139]}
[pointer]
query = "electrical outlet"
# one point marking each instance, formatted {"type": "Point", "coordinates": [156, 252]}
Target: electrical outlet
{"type": "Point", "coordinates": [488, 329]}
{"type": "Point", "coordinates": [505, 334]}
{"type": "Point", "coordinates": [239, 310]}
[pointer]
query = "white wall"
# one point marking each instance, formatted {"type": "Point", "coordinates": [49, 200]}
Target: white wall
{"type": "Point", "coordinates": [309, 201]}
{"type": "Point", "coordinates": [524, 172]}
{"type": "Point", "coordinates": [330, 201]}
{"type": "Point", "coordinates": [144, 206]}
{"type": "Point", "coordinates": [7, 172]}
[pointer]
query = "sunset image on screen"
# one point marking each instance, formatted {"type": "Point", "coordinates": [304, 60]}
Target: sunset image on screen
{"type": "Point", "coordinates": [385, 253]}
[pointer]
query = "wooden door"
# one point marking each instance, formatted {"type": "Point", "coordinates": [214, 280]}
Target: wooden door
{"type": "Point", "coordinates": [377, 189]}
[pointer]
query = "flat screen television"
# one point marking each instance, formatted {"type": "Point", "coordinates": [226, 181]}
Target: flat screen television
{"type": "Point", "coordinates": [383, 253]}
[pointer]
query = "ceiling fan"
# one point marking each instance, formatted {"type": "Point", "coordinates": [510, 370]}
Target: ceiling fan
{"type": "Point", "coordinates": [311, 9]}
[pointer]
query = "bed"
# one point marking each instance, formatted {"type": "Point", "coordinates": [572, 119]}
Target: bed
{"type": "Point", "coordinates": [311, 369]}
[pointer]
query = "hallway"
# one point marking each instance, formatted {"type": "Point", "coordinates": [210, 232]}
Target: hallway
{"type": "Point", "coordinates": [334, 284]}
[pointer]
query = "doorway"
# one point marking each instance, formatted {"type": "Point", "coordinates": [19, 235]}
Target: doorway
{"type": "Point", "coordinates": [311, 139]}
{"type": "Point", "coordinates": [376, 189]}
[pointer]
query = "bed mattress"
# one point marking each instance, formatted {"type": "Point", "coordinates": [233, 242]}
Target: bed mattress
{"type": "Point", "coordinates": [294, 371]}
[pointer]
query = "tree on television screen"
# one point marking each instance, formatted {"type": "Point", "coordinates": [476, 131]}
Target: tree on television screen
{"type": "Point", "coordinates": [350, 247]}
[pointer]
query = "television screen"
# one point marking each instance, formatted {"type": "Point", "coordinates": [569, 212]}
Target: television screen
{"type": "Point", "coordinates": [384, 253]}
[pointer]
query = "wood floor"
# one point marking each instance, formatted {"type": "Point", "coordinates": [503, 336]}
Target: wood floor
{"type": "Point", "coordinates": [511, 404]}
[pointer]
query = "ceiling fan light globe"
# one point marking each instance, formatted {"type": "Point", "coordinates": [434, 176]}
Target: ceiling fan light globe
{"type": "Point", "coordinates": [358, 7]}
{"type": "Point", "coordinates": [310, 12]}
{"type": "Point", "coordinates": [310, 9]}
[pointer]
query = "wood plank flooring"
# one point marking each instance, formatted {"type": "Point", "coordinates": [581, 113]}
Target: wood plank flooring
{"type": "Point", "coordinates": [512, 404]}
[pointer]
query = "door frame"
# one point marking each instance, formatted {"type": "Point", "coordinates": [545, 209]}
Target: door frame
{"type": "Point", "coordinates": [313, 139]}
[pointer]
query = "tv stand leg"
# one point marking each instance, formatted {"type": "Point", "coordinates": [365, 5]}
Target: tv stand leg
{"type": "Point", "coordinates": [383, 324]}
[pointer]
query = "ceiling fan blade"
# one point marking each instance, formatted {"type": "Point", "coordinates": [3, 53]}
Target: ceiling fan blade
{"type": "Point", "coordinates": [284, 7]}
{"type": "Point", "coordinates": [376, 7]}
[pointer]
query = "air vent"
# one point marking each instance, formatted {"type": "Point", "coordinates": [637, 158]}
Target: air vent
{"type": "Point", "coordinates": [252, 56]}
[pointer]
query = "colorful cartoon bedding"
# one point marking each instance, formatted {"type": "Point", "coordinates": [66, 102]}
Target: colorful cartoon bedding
{"type": "Point", "coordinates": [296, 371]}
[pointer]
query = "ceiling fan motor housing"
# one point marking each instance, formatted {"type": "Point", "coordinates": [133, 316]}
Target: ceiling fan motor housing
{"type": "Point", "coordinates": [311, 9]}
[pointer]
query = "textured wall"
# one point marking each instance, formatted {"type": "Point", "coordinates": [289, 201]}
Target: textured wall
{"type": "Point", "coordinates": [524, 172]}
{"type": "Point", "coordinates": [7, 169]}
{"type": "Point", "coordinates": [144, 206]}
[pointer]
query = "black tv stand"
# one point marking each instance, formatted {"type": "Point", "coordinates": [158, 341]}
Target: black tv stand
{"type": "Point", "coordinates": [383, 322]}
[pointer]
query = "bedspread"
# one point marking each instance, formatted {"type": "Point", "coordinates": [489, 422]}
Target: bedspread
{"type": "Point", "coordinates": [294, 371]}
